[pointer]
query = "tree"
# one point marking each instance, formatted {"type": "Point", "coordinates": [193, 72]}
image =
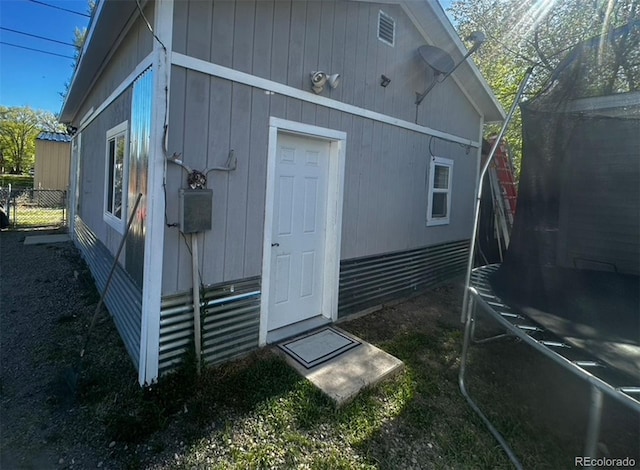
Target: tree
{"type": "Point", "coordinates": [522, 33]}
{"type": "Point", "coordinates": [19, 128]}
{"type": "Point", "coordinates": [79, 36]}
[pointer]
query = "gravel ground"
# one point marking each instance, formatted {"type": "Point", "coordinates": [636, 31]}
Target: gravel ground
{"type": "Point", "coordinates": [46, 304]}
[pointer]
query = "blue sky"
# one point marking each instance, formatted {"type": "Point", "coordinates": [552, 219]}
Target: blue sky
{"type": "Point", "coordinates": [29, 78]}
{"type": "Point", "coordinates": [35, 79]}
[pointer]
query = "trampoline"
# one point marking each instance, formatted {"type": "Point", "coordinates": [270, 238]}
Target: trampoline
{"type": "Point", "coordinates": [569, 284]}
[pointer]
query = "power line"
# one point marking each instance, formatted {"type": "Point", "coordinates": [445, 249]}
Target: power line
{"type": "Point", "coordinates": [60, 8]}
{"type": "Point", "coordinates": [36, 36]}
{"type": "Point", "coordinates": [36, 50]}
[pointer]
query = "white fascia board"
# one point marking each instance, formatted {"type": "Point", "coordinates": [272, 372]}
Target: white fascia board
{"type": "Point", "coordinates": [226, 73]}
{"type": "Point", "coordinates": [148, 369]}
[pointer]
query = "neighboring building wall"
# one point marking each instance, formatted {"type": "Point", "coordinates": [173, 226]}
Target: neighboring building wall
{"type": "Point", "coordinates": [385, 200]}
{"type": "Point", "coordinates": [599, 226]}
{"type": "Point", "coordinates": [52, 165]}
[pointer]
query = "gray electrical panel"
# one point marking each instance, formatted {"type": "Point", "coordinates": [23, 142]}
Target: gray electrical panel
{"type": "Point", "coordinates": [196, 206]}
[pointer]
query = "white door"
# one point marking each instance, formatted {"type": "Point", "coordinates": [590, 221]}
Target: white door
{"type": "Point", "coordinates": [299, 230]}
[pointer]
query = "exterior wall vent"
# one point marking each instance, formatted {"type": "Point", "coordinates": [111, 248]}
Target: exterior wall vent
{"type": "Point", "coordinates": [386, 28]}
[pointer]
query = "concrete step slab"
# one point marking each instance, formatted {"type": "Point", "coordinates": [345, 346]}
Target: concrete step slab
{"type": "Point", "coordinates": [346, 375]}
{"type": "Point", "coordinates": [44, 239]}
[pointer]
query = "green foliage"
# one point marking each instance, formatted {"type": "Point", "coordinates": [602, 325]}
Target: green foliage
{"type": "Point", "coordinates": [522, 33]}
{"type": "Point", "coordinates": [19, 128]}
{"type": "Point", "coordinates": [79, 36]}
{"type": "Point", "coordinates": [16, 181]}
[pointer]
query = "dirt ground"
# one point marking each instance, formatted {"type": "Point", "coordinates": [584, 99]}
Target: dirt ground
{"type": "Point", "coordinates": [46, 303]}
{"type": "Point", "coordinates": [47, 300]}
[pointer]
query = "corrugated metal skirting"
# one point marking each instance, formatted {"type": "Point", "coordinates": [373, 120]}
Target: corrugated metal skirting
{"type": "Point", "coordinates": [230, 323]}
{"type": "Point", "coordinates": [124, 299]}
{"type": "Point", "coordinates": [372, 280]}
{"type": "Point", "coordinates": [231, 311]}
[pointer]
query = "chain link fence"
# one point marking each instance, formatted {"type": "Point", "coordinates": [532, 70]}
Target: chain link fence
{"type": "Point", "coordinates": [34, 208]}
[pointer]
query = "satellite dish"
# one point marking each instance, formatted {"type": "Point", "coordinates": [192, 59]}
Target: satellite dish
{"type": "Point", "coordinates": [437, 59]}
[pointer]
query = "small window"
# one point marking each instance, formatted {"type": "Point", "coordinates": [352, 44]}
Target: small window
{"type": "Point", "coordinates": [115, 190]}
{"type": "Point", "coordinates": [439, 203]}
{"type": "Point", "coordinates": [386, 28]}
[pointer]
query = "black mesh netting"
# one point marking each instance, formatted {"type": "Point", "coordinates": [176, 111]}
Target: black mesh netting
{"type": "Point", "coordinates": [574, 258]}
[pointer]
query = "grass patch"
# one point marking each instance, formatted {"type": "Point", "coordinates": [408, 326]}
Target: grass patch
{"type": "Point", "coordinates": [258, 413]}
{"type": "Point", "coordinates": [38, 217]}
{"type": "Point", "coordinates": [16, 181]}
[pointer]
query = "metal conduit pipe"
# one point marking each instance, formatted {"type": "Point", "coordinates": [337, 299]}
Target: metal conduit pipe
{"type": "Point", "coordinates": [485, 167]}
{"type": "Point", "coordinates": [195, 273]}
{"type": "Point", "coordinates": [463, 389]}
{"type": "Point", "coordinates": [467, 306]}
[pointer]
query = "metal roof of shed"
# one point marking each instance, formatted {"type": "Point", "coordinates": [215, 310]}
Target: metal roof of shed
{"type": "Point", "coordinates": [54, 137]}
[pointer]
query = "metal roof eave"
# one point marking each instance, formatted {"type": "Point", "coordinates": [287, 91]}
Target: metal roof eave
{"type": "Point", "coordinates": [107, 23]}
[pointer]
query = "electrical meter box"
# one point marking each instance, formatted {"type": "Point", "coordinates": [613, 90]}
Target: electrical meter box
{"type": "Point", "coordinates": [196, 206]}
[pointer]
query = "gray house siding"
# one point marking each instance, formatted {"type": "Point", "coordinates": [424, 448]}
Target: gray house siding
{"type": "Point", "coordinates": [386, 247]}
{"type": "Point", "coordinates": [385, 197]}
{"type": "Point", "coordinates": [335, 36]}
{"type": "Point", "coordinates": [92, 169]}
{"type": "Point", "coordinates": [135, 46]}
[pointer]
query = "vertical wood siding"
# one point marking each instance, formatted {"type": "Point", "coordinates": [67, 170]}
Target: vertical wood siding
{"type": "Point", "coordinates": [92, 170]}
{"type": "Point", "coordinates": [135, 46]}
{"type": "Point", "coordinates": [286, 40]}
{"type": "Point", "coordinates": [52, 165]}
{"type": "Point", "coordinates": [385, 194]}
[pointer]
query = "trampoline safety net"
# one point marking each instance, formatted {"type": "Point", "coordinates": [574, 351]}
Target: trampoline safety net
{"type": "Point", "coordinates": [574, 255]}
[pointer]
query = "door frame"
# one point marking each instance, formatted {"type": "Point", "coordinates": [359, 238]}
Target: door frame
{"type": "Point", "coordinates": [333, 221]}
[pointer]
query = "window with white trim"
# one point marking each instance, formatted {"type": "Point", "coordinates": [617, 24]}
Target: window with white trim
{"type": "Point", "coordinates": [439, 203]}
{"type": "Point", "coordinates": [115, 187]}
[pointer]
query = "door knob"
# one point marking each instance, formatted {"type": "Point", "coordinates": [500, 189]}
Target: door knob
{"type": "Point", "coordinates": [275, 244]}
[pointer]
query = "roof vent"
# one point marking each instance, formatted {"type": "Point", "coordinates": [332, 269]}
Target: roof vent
{"type": "Point", "coordinates": [386, 28]}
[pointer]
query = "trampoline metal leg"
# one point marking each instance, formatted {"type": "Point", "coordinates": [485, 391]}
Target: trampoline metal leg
{"type": "Point", "coordinates": [593, 429]}
{"type": "Point", "coordinates": [463, 389]}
